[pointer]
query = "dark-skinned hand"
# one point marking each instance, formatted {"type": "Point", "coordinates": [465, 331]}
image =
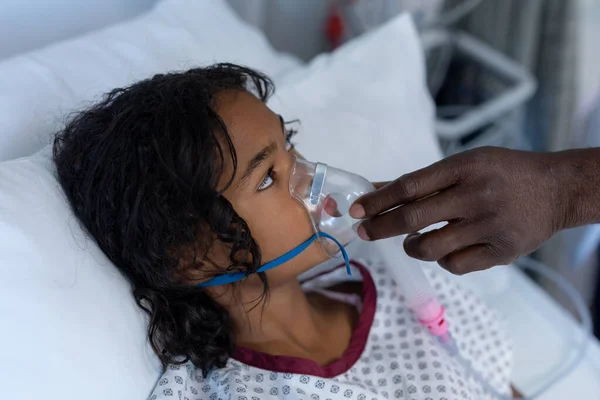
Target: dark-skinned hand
{"type": "Point", "coordinates": [499, 204]}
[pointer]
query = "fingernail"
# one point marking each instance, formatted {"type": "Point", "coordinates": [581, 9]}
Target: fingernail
{"type": "Point", "coordinates": [362, 233]}
{"type": "Point", "coordinates": [357, 211]}
{"type": "Point", "coordinates": [409, 238]}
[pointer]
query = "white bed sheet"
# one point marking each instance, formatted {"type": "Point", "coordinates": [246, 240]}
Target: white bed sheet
{"type": "Point", "coordinates": [545, 334]}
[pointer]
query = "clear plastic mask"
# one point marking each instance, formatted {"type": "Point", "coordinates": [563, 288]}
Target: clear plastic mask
{"type": "Point", "coordinates": [327, 194]}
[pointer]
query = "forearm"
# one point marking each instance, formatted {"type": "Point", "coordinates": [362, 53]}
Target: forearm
{"type": "Point", "coordinates": [578, 177]}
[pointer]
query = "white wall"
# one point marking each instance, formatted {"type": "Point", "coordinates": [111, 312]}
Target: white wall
{"type": "Point", "coordinates": [294, 26]}
{"type": "Point", "coordinates": [28, 24]}
{"type": "Point", "coordinates": [298, 26]}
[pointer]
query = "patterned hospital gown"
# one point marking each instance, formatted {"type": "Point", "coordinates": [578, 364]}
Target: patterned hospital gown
{"type": "Point", "coordinates": [390, 355]}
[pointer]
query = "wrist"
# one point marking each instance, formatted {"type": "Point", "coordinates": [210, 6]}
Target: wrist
{"type": "Point", "coordinates": [576, 174]}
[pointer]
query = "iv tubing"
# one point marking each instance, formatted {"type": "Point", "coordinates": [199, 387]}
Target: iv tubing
{"type": "Point", "coordinates": [586, 324]}
{"type": "Point", "coordinates": [420, 296]}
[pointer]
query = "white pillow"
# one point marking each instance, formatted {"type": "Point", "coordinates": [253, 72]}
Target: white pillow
{"type": "Point", "coordinates": [70, 328]}
{"type": "Point", "coordinates": [365, 108]}
{"type": "Point", "coordinates": [38, 88]}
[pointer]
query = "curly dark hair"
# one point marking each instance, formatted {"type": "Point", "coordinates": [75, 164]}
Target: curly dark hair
{"type": "Point", "coordinates": [140, 170]}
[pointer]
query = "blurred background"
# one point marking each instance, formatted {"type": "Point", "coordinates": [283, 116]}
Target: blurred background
{"type": "Point", "coordinates": [523, 74]}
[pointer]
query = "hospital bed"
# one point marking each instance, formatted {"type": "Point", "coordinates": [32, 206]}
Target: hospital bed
{"type": "Point", "coordinates": [68, 325]}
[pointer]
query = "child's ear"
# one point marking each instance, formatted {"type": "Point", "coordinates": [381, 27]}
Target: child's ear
{"type": "Point", "coordinates": [191, 274]}
{"type": "Point", "coordinates": [197, 265]}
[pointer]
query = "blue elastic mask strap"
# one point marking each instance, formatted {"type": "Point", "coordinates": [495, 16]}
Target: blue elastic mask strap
{"type": "Point", "coordinates": [342, 249]}
{"type": "Point", "coordinates": [237, 276]}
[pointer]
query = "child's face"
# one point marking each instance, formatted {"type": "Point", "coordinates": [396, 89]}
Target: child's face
{"type": "Point", "coordinates": [260, 190]}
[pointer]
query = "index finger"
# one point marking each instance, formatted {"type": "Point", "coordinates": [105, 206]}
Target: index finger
{"type": "Point", "coordinates": [406, 189]}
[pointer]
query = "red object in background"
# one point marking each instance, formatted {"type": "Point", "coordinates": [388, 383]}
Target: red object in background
{"type": "Point", "coordinates": [334, 28]}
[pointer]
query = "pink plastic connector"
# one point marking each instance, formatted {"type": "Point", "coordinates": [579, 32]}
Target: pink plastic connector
{"type": "Point", "coordinates": [431, 315]}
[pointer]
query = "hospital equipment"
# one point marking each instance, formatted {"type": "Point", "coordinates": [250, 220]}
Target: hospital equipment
{"type": "Point", "coordinates": [363, 16]}
{"type": "Point", "coordinates": [238, 276]}
{"type": "Point", "coordinates": [508, 87]}
{"type": "Point", "coordinates": [327, 193]}
{"type": "Point", "coordinates": [481, 107]}
{"type": "Point", "coordinates": [480, 92]}
{"type": "Point", "coordinates": [420, 296]}
{"type": "Point", "coordinates": [68, 316]}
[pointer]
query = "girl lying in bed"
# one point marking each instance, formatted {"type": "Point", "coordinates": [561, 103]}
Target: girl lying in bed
{"type": "Point", "coordinates": [184, 177]}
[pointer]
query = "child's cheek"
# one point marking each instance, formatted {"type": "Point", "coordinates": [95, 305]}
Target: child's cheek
{"type": "Point", "coordinates": [289, 219]}
{"type": "Point", "coordinates": [278, 223]}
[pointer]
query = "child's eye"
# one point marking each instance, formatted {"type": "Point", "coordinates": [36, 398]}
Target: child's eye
{"type": "Point", "coordinates": [267, 181]}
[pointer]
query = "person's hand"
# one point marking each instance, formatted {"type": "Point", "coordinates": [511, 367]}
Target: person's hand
{"type": "Point", "coordinates": [499, 204]}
